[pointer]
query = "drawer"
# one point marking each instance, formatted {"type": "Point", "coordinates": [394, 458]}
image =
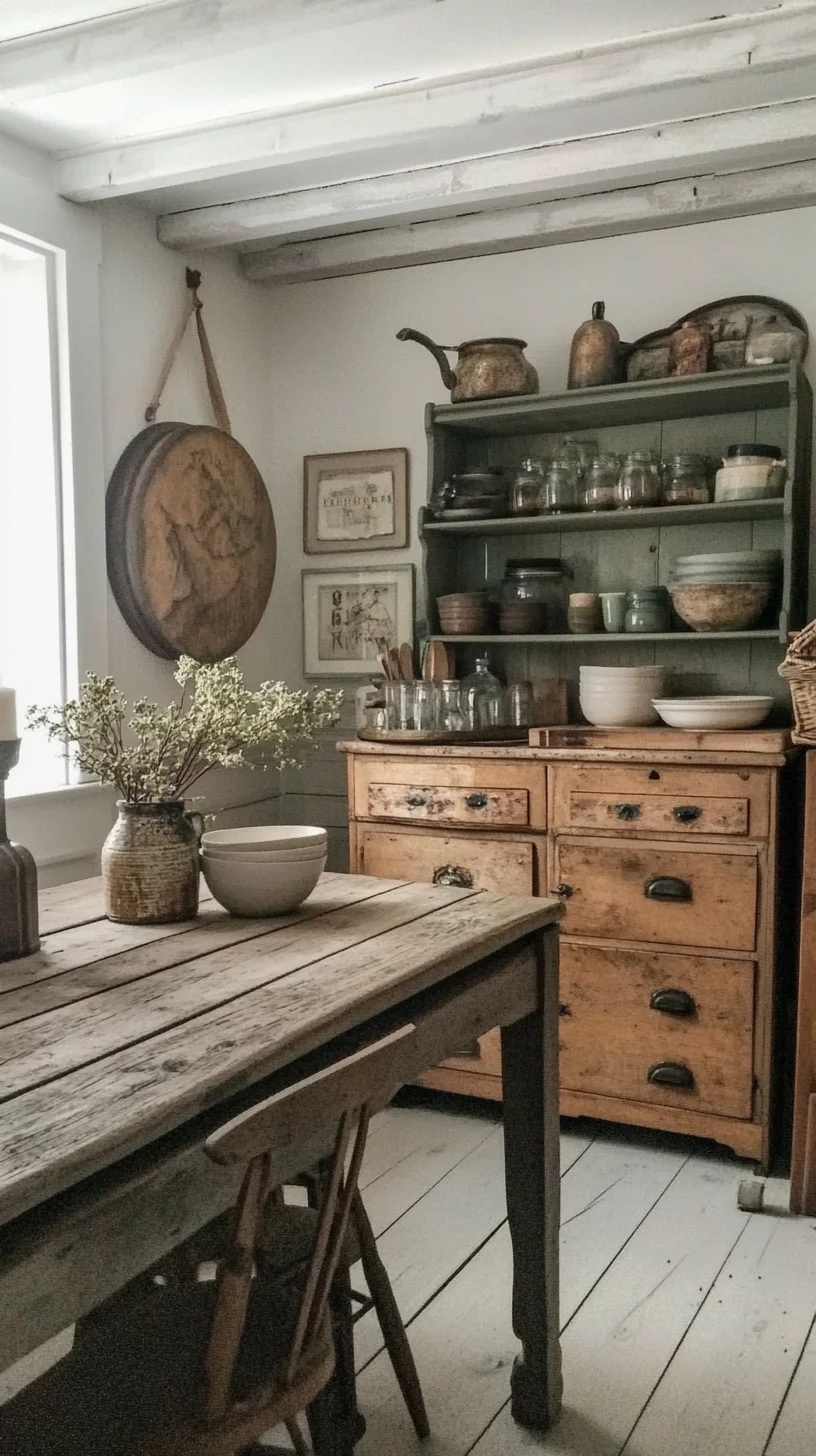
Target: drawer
{"type": "Point", "coordinates": [634, 799]}
{"type": "Point", "coordinates": [482, 862]}
{"type": "Point", "coordinates": [449, 803]}
{"type": "Point", "coordinates": [656, 891]}
{"type": "Point", "coordinates": [613, 1033]}
{"type": "Point", "coordinates": [495, 792]}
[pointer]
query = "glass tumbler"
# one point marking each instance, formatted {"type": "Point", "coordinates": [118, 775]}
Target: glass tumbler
{"type": "Point", "coordinates": [519, 710]}
{"type": "Point", "coordinates": [451, 713]}
{"type": "Point", "coordinates": [425, 705]}
{"type": "Point", "coordinates": [405, 705]}
{"type": "Point", "coordinates": [391, 710]}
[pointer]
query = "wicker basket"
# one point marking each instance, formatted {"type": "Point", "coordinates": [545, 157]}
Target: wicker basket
{"type": "Point", "coordinates": [799, 668]}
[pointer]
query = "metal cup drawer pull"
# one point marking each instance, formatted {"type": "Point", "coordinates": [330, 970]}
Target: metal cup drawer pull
{"type": "Point", "coordinates": [477, 801]}
{"type": "Point", "coordinates": [670, 1074]}
{"type": "Point", "coordinates": [454, 875]}
{"type": "Point", "coordinates": [564, 891]}
{"type": "Point", "coordinates": [415, 801]}
{"type": "Point", "coordinates": [673, 1002]}
{"type": "Point", "coordinates": [628, 812]}
{"type": "Point", "coordinates": [668, 888]}
{"type": "Point", "coordinates": [686, 813]}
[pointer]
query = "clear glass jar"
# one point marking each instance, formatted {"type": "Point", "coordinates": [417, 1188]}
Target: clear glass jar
{"type": "Point", "coordinates": [519, 704]}
{"type": "Point", "coordinates": [451, 714]}
{"type": "Point", "coordinates": [598, 490]}
{"type": "Point", "coordinates": [426, 699]}
{"type": "Point", "coordinates": [638, 481]}
{"type": "Point", "coordinates": [560, 493]}
{"type": "Point", "coordinates": [533, 592]}
{"type": "Point", "coordinates": [685, 480]}
{"type": "Point", "coordinates": [525, 489]}
{"type": "Point", "coordinates": [575, 450]}
{"type": "Point", "coordinates": [369, 706]}
{"type": "Point", "coordinates": [484, 697]}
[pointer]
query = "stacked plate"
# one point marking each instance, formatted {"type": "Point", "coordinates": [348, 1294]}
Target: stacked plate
{"type": "Point", "coordinates": [269, 869]}
{"type": "Point", "coordinates": [620, 697]}
{"type": "Point", "coordinates": [724, 591]}
{"type": "Point", "coordinates": [474, 495]}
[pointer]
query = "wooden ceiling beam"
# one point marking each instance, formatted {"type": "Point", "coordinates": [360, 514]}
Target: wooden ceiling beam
{"type": "Point", "coordinates": [477, 108]}
{"type": "Point", "coordinates": [153, 38]}
{"type": "Point", "coordinates": [728, 142]}
{"type": "Point", "coordinates": [566, 220]}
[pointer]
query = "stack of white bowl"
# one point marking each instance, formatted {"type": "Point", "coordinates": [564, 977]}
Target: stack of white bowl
{"type": "Point", "coordinates": [269, 869]}
{"type": "Point", "coordinates": [620, 697]}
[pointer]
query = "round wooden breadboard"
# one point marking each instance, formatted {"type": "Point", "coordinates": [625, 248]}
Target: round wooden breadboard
{"type": "Point", "coordinates": [190, 541]}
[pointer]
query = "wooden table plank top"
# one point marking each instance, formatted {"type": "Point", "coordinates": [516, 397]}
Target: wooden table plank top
{"type": "Point", "coordinates": [112, 1036]}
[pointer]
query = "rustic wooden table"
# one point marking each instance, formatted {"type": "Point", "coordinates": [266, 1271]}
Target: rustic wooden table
{"type": "Point", "coordinates": [121, 1047]}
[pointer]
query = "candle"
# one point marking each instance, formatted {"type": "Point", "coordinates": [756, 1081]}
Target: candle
{"type": "Point", "coordinates": [8, 714]}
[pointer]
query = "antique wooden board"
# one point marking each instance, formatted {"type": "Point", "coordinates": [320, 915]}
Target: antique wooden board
{"type": "Point", "coordinates": [191, 541]}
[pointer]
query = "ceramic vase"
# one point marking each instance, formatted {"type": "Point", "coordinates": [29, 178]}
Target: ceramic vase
{"type": "Point", "coordinates": [150, 864]}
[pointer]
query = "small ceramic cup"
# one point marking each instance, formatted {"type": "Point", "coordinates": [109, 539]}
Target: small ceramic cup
{"type": "Point", "coordinates": [584, 612]}
{"type": "Point", "coordinates": [613, 604]}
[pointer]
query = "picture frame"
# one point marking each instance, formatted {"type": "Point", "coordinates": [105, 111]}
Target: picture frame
{"type": "Point", "coordinates": [355, 501]}
{"type": "Point", "coordinates": [346, 612]}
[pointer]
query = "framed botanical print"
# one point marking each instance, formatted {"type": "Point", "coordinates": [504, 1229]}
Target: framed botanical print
{"type": "Point", "coordinates": [346, 614]}
{"type": "Point", "coordinates": [356, 501]}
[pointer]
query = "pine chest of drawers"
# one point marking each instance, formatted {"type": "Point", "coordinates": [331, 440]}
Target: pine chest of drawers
{"type": "Point", "coordinates": [666, 860]}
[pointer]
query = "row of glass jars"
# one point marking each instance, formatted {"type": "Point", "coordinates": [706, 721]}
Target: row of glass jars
{"type": "Point", "coordinates": [602, 482]}
{"type": "Point", "coordinates": [478, 701]}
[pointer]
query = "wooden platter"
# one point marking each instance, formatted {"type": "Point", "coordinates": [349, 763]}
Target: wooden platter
{"type": "Point", "coordinates": [428, 736]}
{"type": "Point", "coordinates": [191, 541]}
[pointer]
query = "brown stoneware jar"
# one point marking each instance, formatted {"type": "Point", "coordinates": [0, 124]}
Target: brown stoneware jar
{"type": "Point", "coordinates": [150, 864]}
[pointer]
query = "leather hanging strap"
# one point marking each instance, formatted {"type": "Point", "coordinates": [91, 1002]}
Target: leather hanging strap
{"type": "Point", "coordinates": [194, 306]}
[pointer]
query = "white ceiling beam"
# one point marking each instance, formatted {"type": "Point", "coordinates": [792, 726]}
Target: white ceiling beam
{"type": "Point", "coordinates": [733, 140]}
{"type": "Point", "coordinates": [153, 38]}
{"type": "Point", "coordinates": [480, 105]}
{"type": "Point", "coordinates": [567, 220]}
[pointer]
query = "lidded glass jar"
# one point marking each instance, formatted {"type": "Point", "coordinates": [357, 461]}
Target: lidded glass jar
{"type": "Point", "coordinates": [483, 697]}
{"type": "Point", "coordinates": [560, 493]}
{"type": "Point", "coordinates": [638, 481]}
{"type": "Point", "coordinates": [525, 489]}
{"type": "Point", "coordinates": [598, 491]}
{"type": "Point", "coordinates": [535, 587]}
{"type": "Point", "coordinates": [685, 480]}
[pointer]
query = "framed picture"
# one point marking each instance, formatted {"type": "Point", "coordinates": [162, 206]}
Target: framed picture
{"type": "Point", "coordinates": [357, 501]}
{"type": "Point", "coordinates": [346, 613]}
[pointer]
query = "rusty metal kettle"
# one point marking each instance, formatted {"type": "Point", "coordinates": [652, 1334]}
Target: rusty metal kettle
{"type": "Point", "coordinates": [485, 368]}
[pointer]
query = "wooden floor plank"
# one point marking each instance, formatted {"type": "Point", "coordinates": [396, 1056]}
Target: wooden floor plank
{"type": "Point", "coordinates": [463, 1341]}
{"type": "Point", "coordinates": [58, 1133]}
{"type": "Point", "coordinates": [724, 1387]}
{"type": "Point", "coordinates": [624, 1334]}
{"type": "Point", "coordinates": [795, 1430]}
{"type": "Point", "coordinates": [421, 1167]}
{"type": "Point", "coordinates": [424, 1248]}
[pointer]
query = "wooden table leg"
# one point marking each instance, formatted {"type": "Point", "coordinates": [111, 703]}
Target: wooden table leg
{"type": "Point", "coordinates": [531, 1133]}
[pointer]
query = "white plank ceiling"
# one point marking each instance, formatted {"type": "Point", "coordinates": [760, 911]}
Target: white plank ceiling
{"type": "Point", "coordinates": [336, 136]}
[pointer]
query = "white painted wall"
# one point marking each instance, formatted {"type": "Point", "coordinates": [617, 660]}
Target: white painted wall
{"type": "Point", "coordinates": [341, 381]}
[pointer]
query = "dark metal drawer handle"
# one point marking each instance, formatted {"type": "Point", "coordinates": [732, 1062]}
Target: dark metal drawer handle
{"type": "Point", "coordinates": [673, 1002]}
{"type": "Point", "coordinates": [564, 891]}
{"type": "Point", "coordinates": [686, 813]}
{"type": "Point", "coordinates": [415, 801]}
{"type": "Point", "coordinates": [667, 887]}
{"type": "Point", "coordinates": [670, 1074]}
{"type": "Point", "coordinates": [454, 875]}
{"type": "Point", "coordinates": [627, 811]}
{"type": "Point", "coordinates": [477, 801]}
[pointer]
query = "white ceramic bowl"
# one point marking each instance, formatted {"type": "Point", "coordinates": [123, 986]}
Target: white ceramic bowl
{"type": "Point", "coordinates": [264, 837]}
{"type": "Point", "coordinates": [267, 856]}
{"type": "Point", "coordinates": [735, 711]}
{"type": "Point", "coordinates": [619, 674]}
{"type": "Point", "coordinates": [619, 715]}
{"type": "Point", "coordinates": [262, 889]}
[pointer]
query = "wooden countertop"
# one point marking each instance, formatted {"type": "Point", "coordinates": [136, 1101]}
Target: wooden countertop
{"type": "Point", "coordinates": [750, 747]}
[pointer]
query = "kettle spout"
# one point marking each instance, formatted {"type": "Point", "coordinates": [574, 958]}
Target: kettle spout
{"type": "Point", "coordinates": [448, 374]}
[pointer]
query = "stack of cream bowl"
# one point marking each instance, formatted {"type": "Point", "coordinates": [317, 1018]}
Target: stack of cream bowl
{"type": "Point", "coordinates": [620, 697]}
{"type": "Point", "coordinates": [268, 869]}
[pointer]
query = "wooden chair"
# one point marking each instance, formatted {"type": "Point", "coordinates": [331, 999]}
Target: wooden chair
{"type": "Point", "coordinates": [203, 1369]}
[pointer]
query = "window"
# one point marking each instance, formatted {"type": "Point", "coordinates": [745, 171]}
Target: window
{"type": "Point", "coordinates": [32, 576]}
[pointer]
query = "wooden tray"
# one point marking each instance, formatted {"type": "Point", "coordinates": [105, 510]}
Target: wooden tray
{"type": "Point", "coordinates": [737, 740]}
{"type": "Point", "coordinates": [434, 735]}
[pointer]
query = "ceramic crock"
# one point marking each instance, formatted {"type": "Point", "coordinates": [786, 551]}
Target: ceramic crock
{"type": "Point", "coordinates": [150, 864]}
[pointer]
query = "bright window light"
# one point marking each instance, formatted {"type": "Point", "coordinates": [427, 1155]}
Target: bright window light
{"type": "Point", "coordinates": [32, 597]}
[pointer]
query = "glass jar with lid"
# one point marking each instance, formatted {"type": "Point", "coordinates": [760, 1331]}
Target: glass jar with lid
{"type": "Point", "coordinates": [685, 480]}
{"type": "Point", "coordinates": [638, 482]}
{"type": "Point", "coordinates": [598, 490]}
{"type": "Point", "coordinates": [560, 493]}
{"type": "Point", "coordinates": [533, 595]}
{"type": "Point", "coordinates": [483, 697]}
{"type": "Point", "coordinates": [526, 487]}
